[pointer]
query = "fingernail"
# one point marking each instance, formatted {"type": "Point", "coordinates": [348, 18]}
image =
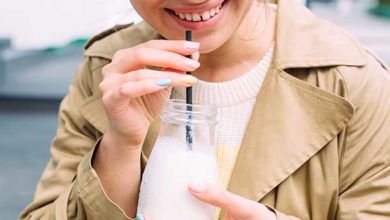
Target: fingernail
{"type": "Point", "coordinates": [139, 217]}
{"type": "Point", "coordinates": [189, 79]}
{"type": "Point", "coordinates": [191, 64]}
{"type": "Point", "coordinates": [191, 45]}
{"type": "Point", "coordinates": [196, 56]}
{"type": "Point", "coordinates": [198, 187]}
{"type": "Point", "coordinates": [164, 82]}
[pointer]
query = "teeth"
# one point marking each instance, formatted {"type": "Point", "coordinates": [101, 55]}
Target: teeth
{"type": "Point", "coordinates": [206, 16]}
{"type": "Point", "coordinates": [188, 17]}
{"type": "Point", "coordinates": [212, 12]}
{"type": "Point", "coordinates": [196, 17]}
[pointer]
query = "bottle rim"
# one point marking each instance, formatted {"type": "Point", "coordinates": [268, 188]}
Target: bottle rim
{"type": "Point", "coordinates": [178, 111]}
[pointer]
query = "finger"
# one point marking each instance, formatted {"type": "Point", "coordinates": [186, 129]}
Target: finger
{"type": "Point", "coordinates": [178, 46]}
{"type": "Point", "coordinates": [114, 101]}
{"type": "Point", "coordinates": [195, 56]}
{"type": "Point", "coordinates": [110, 82]}
{"type": "Point", "coordinates": [117, 99]}
{"type": "Point", "coordinates": [221, 198]}
{"type": "Point", "coordinates": [116, 80]}
{"type": "Point", "coordinates": [150, 74]}
{"type": "Point", "coordinates": [173, 70]}
{"type": "Point", "coordinates": [136, 58]}
{"type": "Point", "coordinates": [140, 88]}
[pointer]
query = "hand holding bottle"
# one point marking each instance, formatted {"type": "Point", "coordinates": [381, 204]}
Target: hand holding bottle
{"type": "Point", "coordinates": [133, 96]}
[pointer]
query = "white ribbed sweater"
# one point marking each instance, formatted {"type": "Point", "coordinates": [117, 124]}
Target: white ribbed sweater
{"type": "Point", "coordinates": [234, 100]}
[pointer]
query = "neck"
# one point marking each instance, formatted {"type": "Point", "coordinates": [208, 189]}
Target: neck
{"type": "Point", "coordinates": [242, 51]}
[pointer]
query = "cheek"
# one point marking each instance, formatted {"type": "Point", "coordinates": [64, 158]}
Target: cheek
{"type": "Point", "coordinates": [146, 8]}
{"type": "Point", "coordinates": [152, 12]}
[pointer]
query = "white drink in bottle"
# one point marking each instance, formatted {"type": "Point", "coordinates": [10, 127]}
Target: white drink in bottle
{"type": "Point", "coordinates": [173, 165]}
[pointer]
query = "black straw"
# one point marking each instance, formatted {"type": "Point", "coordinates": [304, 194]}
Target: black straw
{"type": "Point", "coordinates": [189, 102]}
{"type": "Point", "coordinates": [189, 89]}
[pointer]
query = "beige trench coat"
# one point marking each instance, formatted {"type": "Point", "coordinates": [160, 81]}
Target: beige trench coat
{"type": "Point", "coordinates": [317, 145]}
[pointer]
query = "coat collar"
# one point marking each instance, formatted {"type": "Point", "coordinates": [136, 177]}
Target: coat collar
{"type": "Point", "coordinates": [304, 40]}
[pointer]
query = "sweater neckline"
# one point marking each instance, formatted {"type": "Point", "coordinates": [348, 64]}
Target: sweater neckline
{"type": "Point", "coordinates": [235, 91]}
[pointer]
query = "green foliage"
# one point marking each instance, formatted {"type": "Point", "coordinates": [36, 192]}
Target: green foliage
{"type": "Point", "coordinates": [384, 3]}
{"type": "Point", "coordinates": [383, 9]}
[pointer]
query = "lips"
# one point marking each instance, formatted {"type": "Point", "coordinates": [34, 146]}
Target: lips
{"type": "Point", "coordinates": [197, 15]}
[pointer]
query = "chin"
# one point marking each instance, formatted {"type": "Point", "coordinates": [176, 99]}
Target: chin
{"type": "Point", "coordinates": [210, 44]}
{"type": "Point", "coordinates": [205, 49]}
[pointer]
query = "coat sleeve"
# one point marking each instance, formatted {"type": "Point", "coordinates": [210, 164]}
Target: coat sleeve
{"type": "Point", "coordinates": [365, 162]}
{"type": "Point", "coordinates": [69, 187]}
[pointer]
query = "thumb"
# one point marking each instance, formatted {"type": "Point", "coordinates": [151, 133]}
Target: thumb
{"type": "Point", "coordinates": [219, 197]}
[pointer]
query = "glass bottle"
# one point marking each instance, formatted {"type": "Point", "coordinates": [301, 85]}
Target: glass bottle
{"type": "Point", "coordinates": [184, 152]}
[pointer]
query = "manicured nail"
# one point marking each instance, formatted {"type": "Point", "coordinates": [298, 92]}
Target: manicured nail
{"type": "Point", "coordinates": [189, 79]}
{"type": "Point", "coordinates": [191, 64]}
{"type": "Point", "coordinates": [164, 82]}
{"type": "Point", "coordinates": [191, 45]}
{"type": "Point", "coordinates": [139, 217]}
{"type": "Point", "coordinates": [198, 187]}
{"type": "Point", "coordinates": [196, 56]}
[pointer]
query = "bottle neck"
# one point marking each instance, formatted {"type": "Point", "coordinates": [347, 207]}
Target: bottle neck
{"type": "Point", "coordinates": [178, 112]}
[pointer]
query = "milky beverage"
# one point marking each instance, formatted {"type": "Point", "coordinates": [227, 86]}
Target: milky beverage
{"type": "Point", "coordinates": [171, 167]}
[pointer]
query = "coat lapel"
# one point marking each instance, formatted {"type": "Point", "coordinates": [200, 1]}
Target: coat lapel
{"type": "Point", "coordinates": [293, 120]}
{"type": "Point", "coordinates": [290, 123]}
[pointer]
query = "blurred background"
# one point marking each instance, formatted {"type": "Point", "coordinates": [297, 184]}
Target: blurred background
{"type": "Point", "coordinates": [41, 48]}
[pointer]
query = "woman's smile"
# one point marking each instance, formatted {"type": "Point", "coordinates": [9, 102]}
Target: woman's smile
{"type": "Point", "coordinates": [197, 18]}
{"type": "Point", "coordinates": [214, 22]}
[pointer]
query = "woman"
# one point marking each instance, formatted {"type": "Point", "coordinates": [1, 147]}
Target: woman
{"type": "Point", "coordinates": [305, 107]}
